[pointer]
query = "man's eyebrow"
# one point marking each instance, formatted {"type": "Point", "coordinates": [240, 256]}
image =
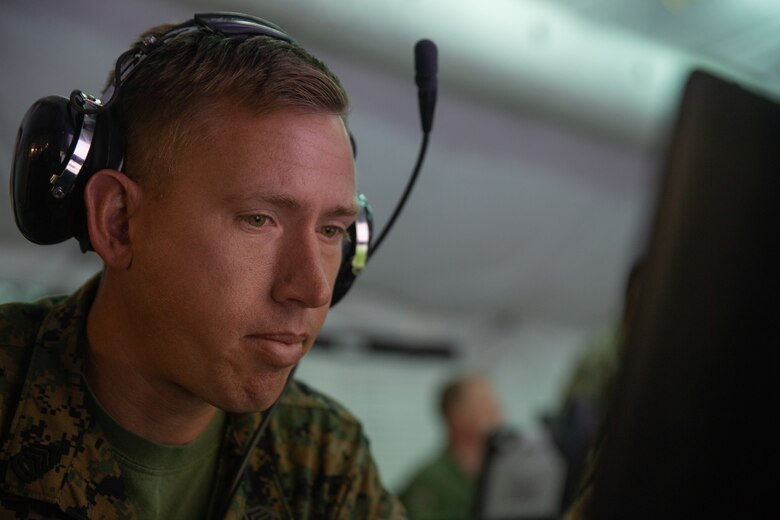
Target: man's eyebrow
{"type": "Point", "coordinates": [350, 211]}
{"type": "Point", "coordinates": [285, 201]}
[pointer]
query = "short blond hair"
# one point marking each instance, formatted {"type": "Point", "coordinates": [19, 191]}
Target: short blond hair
{"type": "Point", "coordinates": [167, 103]}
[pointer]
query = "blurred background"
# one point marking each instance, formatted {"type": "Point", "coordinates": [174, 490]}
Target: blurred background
{"type": "Point", "coordinates": [512, 255]}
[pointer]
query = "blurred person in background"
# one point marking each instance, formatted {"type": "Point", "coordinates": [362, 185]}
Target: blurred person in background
{"type": "Point", "coordinates": [445, 487]}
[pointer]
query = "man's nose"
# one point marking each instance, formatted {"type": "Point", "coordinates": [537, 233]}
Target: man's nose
{"type": "Point", "coordinates": [301, 277]}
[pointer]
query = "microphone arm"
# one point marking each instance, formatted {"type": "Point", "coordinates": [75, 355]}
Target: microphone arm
{"type": "Point", "coordinates": [426, 68]}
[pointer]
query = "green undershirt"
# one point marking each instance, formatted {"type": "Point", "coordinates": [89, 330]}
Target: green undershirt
{"type": "Point", "coordinates": [164, 481]}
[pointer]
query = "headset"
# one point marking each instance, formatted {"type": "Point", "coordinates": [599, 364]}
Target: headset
{"type": "Point", "coordinates": [61, 142]}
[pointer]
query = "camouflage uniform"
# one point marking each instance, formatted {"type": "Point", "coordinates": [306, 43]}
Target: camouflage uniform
{"type": "Point", "coordinates": [313, 461]}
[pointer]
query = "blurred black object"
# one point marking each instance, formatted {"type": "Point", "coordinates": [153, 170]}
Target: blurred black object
{"type": "Point", "coordinates": [692, 432]}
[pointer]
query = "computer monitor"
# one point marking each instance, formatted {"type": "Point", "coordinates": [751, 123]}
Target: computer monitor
{"type": "Point", "coordinates": [692, 429]}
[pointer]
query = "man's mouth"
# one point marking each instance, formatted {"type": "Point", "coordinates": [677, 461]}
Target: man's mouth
{"type": "Point", "coordinates": [279, 349]}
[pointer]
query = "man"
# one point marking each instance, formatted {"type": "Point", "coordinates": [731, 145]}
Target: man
{"type": "Point", "coordinates": [445, 487]}
{"type": "Point", "coordinates": [222, 237]}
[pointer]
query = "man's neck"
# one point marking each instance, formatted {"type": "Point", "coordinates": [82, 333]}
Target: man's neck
{"type": "Point", "coordinates": [143, 403]}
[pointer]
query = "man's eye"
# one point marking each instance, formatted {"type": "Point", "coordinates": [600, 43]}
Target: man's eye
{"type": "Point", "coordinates": [257, 220]}
{"type": "Point", "coordinates": [333, 231]}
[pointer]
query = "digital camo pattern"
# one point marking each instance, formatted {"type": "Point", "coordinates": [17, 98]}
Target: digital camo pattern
{"type": "Point", "coordinates": [313, 462]}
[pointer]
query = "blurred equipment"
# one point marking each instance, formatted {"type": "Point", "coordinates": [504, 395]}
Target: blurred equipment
{"type": "Point", "coordinates": [691, 433]}
{"type": "Point", "coordinates": [522, 479]}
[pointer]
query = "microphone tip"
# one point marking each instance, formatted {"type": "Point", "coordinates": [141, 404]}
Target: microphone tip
{"type": "Point", "coordinates": [426, 55]}
{"type": "Point", "coordinates": [425, 43]}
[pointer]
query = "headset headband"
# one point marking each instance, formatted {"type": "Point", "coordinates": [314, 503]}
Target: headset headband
{"type": "Point", "coordinates": [232, 25]}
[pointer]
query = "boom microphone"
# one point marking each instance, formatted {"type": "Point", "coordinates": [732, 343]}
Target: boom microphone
{"type": "Point", "coordinates": [425, 66]}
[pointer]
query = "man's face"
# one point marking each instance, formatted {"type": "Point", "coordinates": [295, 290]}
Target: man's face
{"type": "Point", "coordinates": [478, 411]}
{"type": "Point", "coordinates": [234, 265]}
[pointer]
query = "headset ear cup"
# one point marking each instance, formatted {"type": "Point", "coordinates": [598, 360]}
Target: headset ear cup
{"type": "Point", "coordinates": [44, 144]}
{"type": "Point", "coordinates": [346, 277]}
{"type": "Point", "coordinates": [347, 272]}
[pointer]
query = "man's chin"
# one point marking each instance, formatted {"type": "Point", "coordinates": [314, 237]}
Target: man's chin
{"type": "Point", "coordinates": [257, 397]}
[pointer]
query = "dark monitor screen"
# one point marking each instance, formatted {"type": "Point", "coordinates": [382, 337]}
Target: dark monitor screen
{"type": "Point", "coordinates": [692, 429]}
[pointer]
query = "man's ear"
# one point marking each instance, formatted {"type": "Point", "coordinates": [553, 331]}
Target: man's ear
{"type": "Point", "coordinates": [111, 198]}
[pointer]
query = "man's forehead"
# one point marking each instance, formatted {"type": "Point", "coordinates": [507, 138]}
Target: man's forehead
{"type": "Point", "coordinates": [347, 207]}
{"type": "Point", "coordinates": [282, 155]}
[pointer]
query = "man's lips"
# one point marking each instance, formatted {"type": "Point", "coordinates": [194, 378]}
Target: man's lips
{"type": "Point", "coordinates": [288, 338]}
{"type": "Point", "coordinates": [279, 349]}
